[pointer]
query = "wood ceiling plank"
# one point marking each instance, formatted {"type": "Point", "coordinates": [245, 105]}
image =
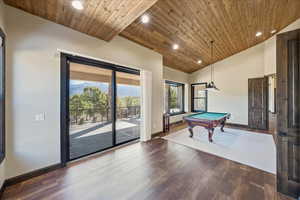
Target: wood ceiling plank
{"type": "Point", "coordinates": [232, 24]}
{"type": "Point", "coordinates": [103, 19]}
{"type": "Point", "coordinates": [50, 10]}
{"type": "Point", "coordinates": [90, 20]}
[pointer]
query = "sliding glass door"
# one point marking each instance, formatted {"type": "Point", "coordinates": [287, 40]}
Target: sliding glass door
{"type": "Point", "coordinates": [128, 107]}
{"type": "Point", "coordinates": [89, 110]}
{"type": "Point", "coordinates": [102, 108]}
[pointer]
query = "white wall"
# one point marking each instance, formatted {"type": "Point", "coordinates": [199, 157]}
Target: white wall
{"type": "Point", "coordinates": [270, 56]}
{"type": "Point", "coordinates": [34, 80]}
{"type": "Point", "coordinates": [231, 77]}
{"type": "Point", "coordinates": [180, 77]}
{"type": "Point", "coordinates": [175, 75]}
{"type": "Point", "coordinates": [2, 170]}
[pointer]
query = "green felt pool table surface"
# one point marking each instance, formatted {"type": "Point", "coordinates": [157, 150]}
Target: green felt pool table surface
{"type": "Point", "coordinates": [208, 115]}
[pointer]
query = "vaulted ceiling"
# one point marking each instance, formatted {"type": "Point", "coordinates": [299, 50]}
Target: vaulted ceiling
{"type": "Point", "coordinates": [191, 24]}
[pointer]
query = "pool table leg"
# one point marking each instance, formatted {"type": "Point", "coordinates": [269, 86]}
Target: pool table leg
{"type": "Point", "coordinates": [210, 134]}
{"type": "Point", "coordinates": [191, 131]}
{"type": "Point", "coordinates": [222, 125]}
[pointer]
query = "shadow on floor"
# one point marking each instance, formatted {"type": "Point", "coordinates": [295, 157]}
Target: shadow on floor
{"type": "Point", "coordinates": [99, 137]}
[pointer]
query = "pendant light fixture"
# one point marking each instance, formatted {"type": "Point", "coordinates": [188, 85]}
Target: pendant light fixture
{"type": "Point", "coordinates": [211, 85]}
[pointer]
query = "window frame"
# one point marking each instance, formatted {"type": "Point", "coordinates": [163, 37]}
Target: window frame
{"type": "Point", "coordinates": [193, 97]}
{"type": "Point", "coordinates": [2, 96]}
{"type": "Point", "coordinates": [183, 95]}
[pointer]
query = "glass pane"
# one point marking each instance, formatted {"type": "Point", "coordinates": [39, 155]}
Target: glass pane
{"type": "Point", "coordinates": [89, 109]}
{"type": "Point", "coordinates": [199, 90]}
{"type": "Point", "coordinates": [128, 107]}
{"type": "Point", "coordinates": [200, 104]}
{"type": "Point", "coordinates": [175, 99]}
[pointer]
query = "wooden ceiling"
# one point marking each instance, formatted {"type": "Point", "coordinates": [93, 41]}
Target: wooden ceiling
{"type": "Point", "coordinates": [192, 24]}
{"type": "Point", "coordinates": [103, 19]}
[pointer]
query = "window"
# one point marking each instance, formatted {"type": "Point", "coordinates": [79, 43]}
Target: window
{"type": "Point", "coordinates": [174, 98]}
{"type": "Point", "coordinates": [2, 95]}
{"type": "Point", "coordinates": [199, 97]}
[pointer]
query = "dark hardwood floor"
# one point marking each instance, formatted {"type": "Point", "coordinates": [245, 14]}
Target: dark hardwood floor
{"type": "Point", "coordinates": [156, 170]}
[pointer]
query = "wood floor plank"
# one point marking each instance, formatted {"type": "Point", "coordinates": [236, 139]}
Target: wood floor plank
{"type": "Point", "coordinates": [155, 170]}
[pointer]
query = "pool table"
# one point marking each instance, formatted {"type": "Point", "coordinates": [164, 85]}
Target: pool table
{"type": "Point", "coordinates": [208, 120]}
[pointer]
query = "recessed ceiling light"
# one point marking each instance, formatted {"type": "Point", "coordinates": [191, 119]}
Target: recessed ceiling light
{"type": "Point", "coordinates": [175, 46]}
{"type": "Point", "coordinates": [199, 61]}
{"type": "Point", "coordinates": [77, 4]}
{"type": "Point", "coordinates": [145, 19]}
{"type": "Point", "coordinates": [273, 31]}
{"type": "Point", "coordinates": [258, 34]}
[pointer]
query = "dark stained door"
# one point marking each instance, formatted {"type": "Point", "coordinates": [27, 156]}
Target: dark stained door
{"type": "Point", "coordinates": [288, 113]}
{"type": "Point", "coordinates": [258, 103]}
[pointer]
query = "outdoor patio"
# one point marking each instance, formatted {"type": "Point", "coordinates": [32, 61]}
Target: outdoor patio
{"type": "Point", "coordinates": [92, 137]}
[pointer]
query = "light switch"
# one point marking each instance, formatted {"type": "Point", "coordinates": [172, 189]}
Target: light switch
{"type": "Point", "coordinates": [40, 117]}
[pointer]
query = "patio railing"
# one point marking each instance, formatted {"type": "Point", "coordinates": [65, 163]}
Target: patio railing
{"type": "Point", "coordinates": [93, 115]}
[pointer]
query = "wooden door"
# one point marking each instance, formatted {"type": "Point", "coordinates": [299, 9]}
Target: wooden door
{"type": "Point", "coordinates": [258, 103]}
{"type": "Point", "coordinates": [288, 113]}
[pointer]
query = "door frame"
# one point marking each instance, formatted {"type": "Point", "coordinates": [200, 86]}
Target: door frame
{"type": "Point", "coordinates": [3, 96]}
{"type": "Point", "coordinates": [65, 60]}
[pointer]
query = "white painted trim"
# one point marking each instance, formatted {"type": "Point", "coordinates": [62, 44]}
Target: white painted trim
{"type": "Point", "coordinates": [94, 58]}
{"type": "Point", "coordinates": [146, 105]}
